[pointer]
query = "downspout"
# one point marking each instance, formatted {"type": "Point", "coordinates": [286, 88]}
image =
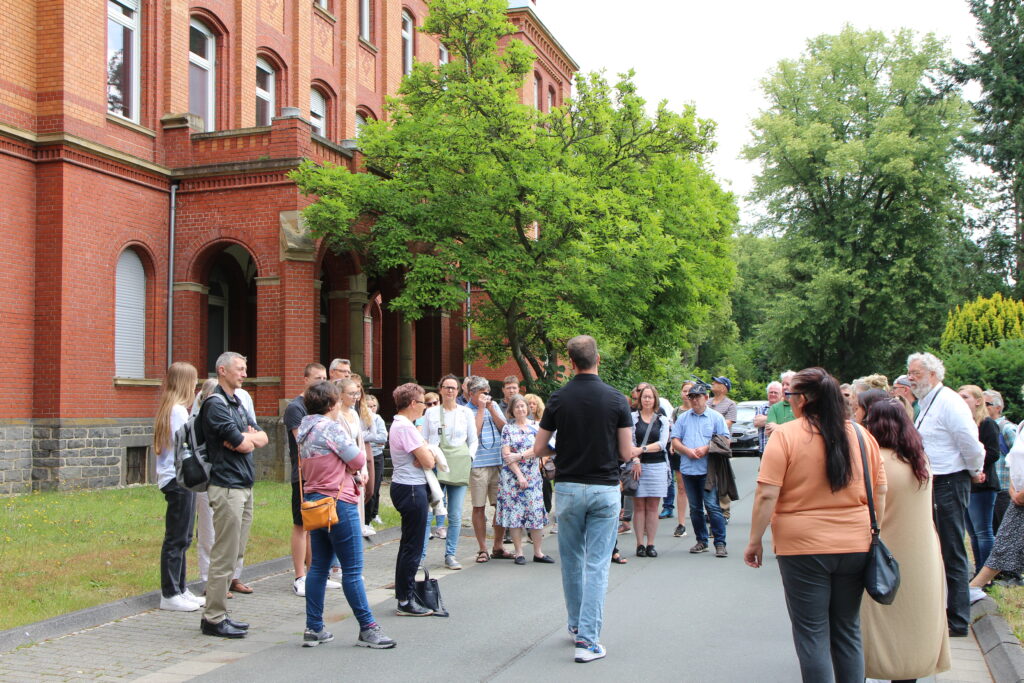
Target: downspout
{"type": "Point", "coordinates": [170, 274]}
{"type": "Point", "coordinates": [469, 329]}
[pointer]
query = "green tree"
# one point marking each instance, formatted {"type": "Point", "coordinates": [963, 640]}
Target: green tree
{"type": "Point", "coordinates": [997, 66]}
{"type": "Point", "coordinates": [597, 217]}
{"type": "Point", "coordinates": [859, 178]}
{"type": "Point", "coordinates": [983, 322]}
{"type": "Point", "coordinates": [999, 366]}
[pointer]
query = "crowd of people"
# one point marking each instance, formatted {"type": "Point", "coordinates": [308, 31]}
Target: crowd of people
{"type": "Point", "coordinates": [942, 465]}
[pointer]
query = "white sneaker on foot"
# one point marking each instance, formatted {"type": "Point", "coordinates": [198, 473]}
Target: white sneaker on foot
{"type": "Point", "coordinates": [378, 520]}
{"type": "Point", "coordinates": [977, 594]}
{"type": "Point", "coordinates": [588, 653]}
{"type": "Point", "coordinates": [299, 586]}
{"type": "Point", "coordinates": [334, 575]}
{"type": "Point", "coordinates": [331, 583]}
{"type": "Point", "coordinates": [178, 603]}
{"type": "Point", "coordinates": [201, 601]}
{"type": "Point", "coordinates": [368, 531]}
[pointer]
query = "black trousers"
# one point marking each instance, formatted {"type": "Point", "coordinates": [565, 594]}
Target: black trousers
{"type": "Point", "coordinates": [951, 493]}
{"type": "Point", "coordinates": [179, 523]}
{"type": "Point", "coordinates": [823, 594]}
{"type": "Point", "coordinates": [411, 503]}
{"type": "Point", "coordinates": [372, 507]}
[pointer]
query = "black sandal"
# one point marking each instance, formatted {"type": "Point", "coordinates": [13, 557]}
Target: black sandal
{"type": "Point", "coordinates": [619, 559]}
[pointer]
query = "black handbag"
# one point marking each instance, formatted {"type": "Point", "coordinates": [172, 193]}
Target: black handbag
{"type": "Point", "coordinates": [882, 571]}
{"type": "Point", "coordinates": [428, 594]}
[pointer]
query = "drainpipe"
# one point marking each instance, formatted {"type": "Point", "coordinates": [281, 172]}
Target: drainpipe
{"type": "Point", "coordinates": [469, 329]}
{"type": "Point", "coordinates": [170, 274]}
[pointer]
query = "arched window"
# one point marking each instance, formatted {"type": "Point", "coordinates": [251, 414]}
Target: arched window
{"type": "Point", "coordinates": [537, 90]}
{"type": "Point", "coordinates": [408, 34]}
{"type": "Point", "coordinates": [551, 99]}
{"type": "Point", "coordinates": [360, 123]}
{"type": "Point", "coordinates": [130, 316]}
{"type": "Point", "coordinates": [123, 58]}
{"type": "Point", "coordinates": [202, 73]}
{"type": "Point", "coordinates": [318, 112]}
{"type": "Point", "coordinates": [365, 20]}
{"type": "Point", "coordinates": [442, 55]}
{"type": "Point", "coordinates": [266, 82]}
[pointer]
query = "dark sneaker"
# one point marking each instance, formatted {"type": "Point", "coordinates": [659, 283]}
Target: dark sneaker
{"type": "Point", "coordinates": [641, 551]}
{"type": "Point", "coordinates": [588, 653]}
{"type": "Point", "coordinates": [374, 638]}
{"type": "Point", "coordinates": [720, 551]}
{"type": "Point", "coordinates": [680, 531]}
{"type": "Point", "coordinates": [666, 513]}
{"type": "Point", "coordinates": [311, 638]}
{"type": "Point", "coordinates": [699, 548]}
{"type": "Point", "coordinates": [412, 609]}
{"type": "Point", "coordinates": [651, 552]}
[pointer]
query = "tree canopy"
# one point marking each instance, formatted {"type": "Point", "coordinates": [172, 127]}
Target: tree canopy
{"type": "Point", "coordinates": [984, 322]}
{"type": "Point", "coordinates": [596, 217]}
{"type": "Point", "coordinates": [859, 178]}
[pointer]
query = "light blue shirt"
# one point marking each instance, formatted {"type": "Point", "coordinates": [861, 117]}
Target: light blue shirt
{"type": "Point", "coordinates": [695, 431]}
{"type": "Point", "coordinates": [488, 451]}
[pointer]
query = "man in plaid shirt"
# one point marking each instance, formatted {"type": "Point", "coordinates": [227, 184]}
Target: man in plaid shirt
{"type": "Point", "coordinates": [774, 391]}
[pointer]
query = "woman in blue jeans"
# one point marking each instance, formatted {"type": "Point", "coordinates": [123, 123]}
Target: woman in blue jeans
{"type": "Point", "coordinates": [985, 487]}
{"type": "Point", "coordinates": [329, 464]}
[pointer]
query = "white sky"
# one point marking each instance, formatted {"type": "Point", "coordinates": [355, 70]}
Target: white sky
{"type": "Point", "coordinates": [714, 54]}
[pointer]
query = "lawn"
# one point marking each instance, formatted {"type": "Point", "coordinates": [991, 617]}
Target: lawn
{"type": "Point", "coordinates": [1011, 607]}
{"type": "Point", "coordinates": [61, 552]}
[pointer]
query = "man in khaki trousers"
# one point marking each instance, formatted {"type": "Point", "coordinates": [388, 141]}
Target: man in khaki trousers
{"type": "Point", "coordinates": [231, 436]}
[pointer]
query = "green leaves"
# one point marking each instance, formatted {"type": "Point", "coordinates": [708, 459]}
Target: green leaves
{"type": "Point", "coordinates": [595, 217]}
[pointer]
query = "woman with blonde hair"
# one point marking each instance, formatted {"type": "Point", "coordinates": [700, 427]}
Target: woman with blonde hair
{"type": "Point", "coordinates": [175, 395]}
{"type": "Point", "coordinates": [986, 485]}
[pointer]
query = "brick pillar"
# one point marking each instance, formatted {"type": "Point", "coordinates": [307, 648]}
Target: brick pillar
{"type": "Point", "coordinates": [174, 33]}
{"type": "Point", "coordinates": [243, 90]}
{"type": "Point", "coordinates": [190, 324]}
{"type": "Point", "coordinates": [270, 338]}
{"type": "Point", "coordinates": [299, 308]}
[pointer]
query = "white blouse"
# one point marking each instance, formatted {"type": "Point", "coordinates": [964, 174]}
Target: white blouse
{"type": "Point", "coordinates": [459, 427]}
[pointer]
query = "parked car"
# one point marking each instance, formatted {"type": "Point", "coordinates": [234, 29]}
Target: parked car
{"type": "Point", "coordinates": [744, 440]}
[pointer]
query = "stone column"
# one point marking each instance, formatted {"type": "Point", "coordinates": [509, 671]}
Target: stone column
{"type": "Point", "coordinates": [358, 297]}
{"type": "Point", "coordinates": [405, 355]}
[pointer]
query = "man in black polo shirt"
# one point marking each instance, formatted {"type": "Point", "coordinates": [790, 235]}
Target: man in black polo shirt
{"type": "Point", "coordinates": [595, 433]}
{"type": "Point", "coordinates": [230, 435]}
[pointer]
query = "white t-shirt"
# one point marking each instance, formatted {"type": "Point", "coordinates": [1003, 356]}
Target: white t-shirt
{"type": "Point", "coordinates": [165, 460]}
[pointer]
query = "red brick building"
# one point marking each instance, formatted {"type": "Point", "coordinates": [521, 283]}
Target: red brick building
{"type": "Point", "coordinates": [147, 215]}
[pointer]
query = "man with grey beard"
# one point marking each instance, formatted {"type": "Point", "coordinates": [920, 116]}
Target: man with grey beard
{"type": "Point", "coordinates": [950, 438]}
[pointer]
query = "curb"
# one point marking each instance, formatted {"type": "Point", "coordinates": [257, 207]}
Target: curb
{"type": "Point", "coordinates": [1003, 652]}
{"type": "Point", "coordinates": [62, 625]}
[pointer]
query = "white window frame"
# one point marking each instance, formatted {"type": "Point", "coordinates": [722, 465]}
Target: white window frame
{"type": "Point", "coordinates": [320, 3]}
{"type": "Point", "coordinates": [442, 55]}
{"type": "Point", "coordinates": [210, 66]}
{"type": "Point", "coordinates": [318, 112]}
{"type": "Point", "coordinates": [361, 121]}
{"type": "Point", "coordinates": [365, 31]}
{"type": "Point", "coordinates": [268, 96]}
{"type": "Point", "coordinates": [134, 24]}
{"type": "Point", "coordinates": [408, 36]}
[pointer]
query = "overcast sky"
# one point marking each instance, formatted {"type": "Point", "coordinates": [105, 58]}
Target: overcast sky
{"type": "Point", "coordinates": [714, 54]}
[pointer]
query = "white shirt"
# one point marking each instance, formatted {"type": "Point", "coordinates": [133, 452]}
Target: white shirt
{"type": "Point", "coordinates": [459, 427]}
{"type": "Point", "coordinates": [165, 460]}
{"type": "Point", "coordinates": [1015, 461]}
{"type": "Point", "coordinates": [949, 433]}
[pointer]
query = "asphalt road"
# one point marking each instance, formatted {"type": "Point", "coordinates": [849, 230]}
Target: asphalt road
{"type": "Point", "coordinates": [678, 617]}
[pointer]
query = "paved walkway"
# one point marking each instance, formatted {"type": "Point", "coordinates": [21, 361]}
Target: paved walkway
{"type": "Point", "coordinates": [675, 618]}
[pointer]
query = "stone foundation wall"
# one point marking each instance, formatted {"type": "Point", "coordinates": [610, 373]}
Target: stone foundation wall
{"type": "Point", "coordinates": [61, 455]}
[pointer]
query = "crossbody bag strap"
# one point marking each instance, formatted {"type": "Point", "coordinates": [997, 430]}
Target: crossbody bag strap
{"type": "Point", "coordinates": [867, 479]}
{"type": "Point", "coordinates": [648, 432]}
{"type": "Point", "coordinates": [444, 438]}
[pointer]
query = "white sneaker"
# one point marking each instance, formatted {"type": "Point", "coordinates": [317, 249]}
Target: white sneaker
{"type": "Point", "coordinates": [299, 586]}
{"type": "Point", "coordinates": [335, 575]}
{"type": "Point", "coordinates": [369, 531]}
{"type": "Point", "coordinates": [178, 603]}
{"type": "Point", "coordinates": [378, 520]}
{"type": "Point", "coordinates": [442, 532]}
{"type": "Point", "coordinates": [199, 600]}
{"type": "Point", "coordinates": [331, 583]}
{"type": "Point", "coordinates": [588, 653]}
{"type": "Point", "coordinates": [977, 594]}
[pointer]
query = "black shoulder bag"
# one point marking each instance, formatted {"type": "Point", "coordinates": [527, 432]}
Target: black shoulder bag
{"type": "Point", "coordinates": [882, 571]}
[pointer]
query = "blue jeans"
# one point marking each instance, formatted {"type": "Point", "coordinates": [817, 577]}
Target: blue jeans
{"type": "Point", "coordinates": [345, 539]}
{"type": "Point", "coordinates": [588, 516]}
{"type": "Point", "coordinates": [699, 501]}
{"type": "Point", "coordinates": [454, 497]}
{"type": "Point", "coordinates": [670, 495]}
{"type": "Point", "coordinates": [980, 510]}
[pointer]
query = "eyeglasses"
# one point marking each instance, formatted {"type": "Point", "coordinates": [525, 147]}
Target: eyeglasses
{"type": "Point", "coordinates": [793, 393]}
{"type": "Point", "coordinates": [353, 394]}
{"type": "Point", "coordinates": [693, 396]}
{"type": "Point", "coordinates": [449, 388]}
{"type": "Point", "coordinates": [989, 404]}
{"type": "Point", "coordinates": [430, 403]}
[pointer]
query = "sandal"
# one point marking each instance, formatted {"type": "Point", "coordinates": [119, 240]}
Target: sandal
{"type": "Point", "coordinates": [502, 555]}
{"type": "Point", "coordinates": [482, 557]}
{"type": "Point", "coordinates": [619, 559]}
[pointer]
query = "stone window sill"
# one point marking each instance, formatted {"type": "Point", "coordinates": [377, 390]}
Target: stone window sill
{"type": "Point", "coordinates": [136, 382]}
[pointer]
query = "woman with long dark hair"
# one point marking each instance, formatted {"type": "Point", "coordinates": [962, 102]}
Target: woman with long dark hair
{"type": "Point", "coordinates": [175, 396]}
{"type": "Point", "coordinates": [908, 639]}
{"type": "Point", "coordinates": [811, 489]}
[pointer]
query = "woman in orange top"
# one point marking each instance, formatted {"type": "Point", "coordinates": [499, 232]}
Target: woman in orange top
{"type": "Point", "coordinates": [811, 489]}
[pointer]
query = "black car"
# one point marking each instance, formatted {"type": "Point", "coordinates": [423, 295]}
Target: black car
{"type": "Point", "coordinates": [745, 441]}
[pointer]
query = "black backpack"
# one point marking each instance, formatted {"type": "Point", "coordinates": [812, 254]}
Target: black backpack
{"type": "Point", "coordinates": [191, 467]}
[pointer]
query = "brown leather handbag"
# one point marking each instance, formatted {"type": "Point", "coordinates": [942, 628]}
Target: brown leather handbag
{"type": "Point", "coordinates": [317, 514]}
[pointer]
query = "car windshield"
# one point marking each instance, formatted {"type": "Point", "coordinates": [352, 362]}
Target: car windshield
{"type": "Point", "coordinates": [745, 413]}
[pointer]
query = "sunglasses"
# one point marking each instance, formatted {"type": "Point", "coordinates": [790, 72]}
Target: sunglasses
{"type": "Point", "coordinates": [793, 393]}
{"type": "Point", "coordinates": [430, 403]}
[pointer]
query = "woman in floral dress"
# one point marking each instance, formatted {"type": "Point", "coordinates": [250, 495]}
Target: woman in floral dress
{"type": "Point", "coordinates": [520, 493]}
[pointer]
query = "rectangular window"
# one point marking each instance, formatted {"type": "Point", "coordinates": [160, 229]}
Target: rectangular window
{"type": "Point", "coordinates": [364, 20]}
{"type": "Point", "coordinates": [202, 74]}
{"type": "Point", "coordinates": [318, 112]}
{"type": "Point", "coordinates": [537, 93]}
{"type": "Point", "coordinates": [265, 110]}
{"type": "Point", "coordinates": [442, 55]}
{"type": "Point", "coordinates": [123, 59]}
{"type": "Point", "coordinates": [407, 42]}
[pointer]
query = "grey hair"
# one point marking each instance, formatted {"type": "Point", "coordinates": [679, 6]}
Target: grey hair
{"type": "Point", "coordinates": [479, 383]}
{"type": "Point", "coordinates": [224, 359]}
{"type": "Point", "coordinates": [930, 362]}
{"type": "Point", "coordinates": [773, 385]}
{"type": "Point", "coordinates": [788, 374]}
{"type": "Point", "coordinates": [995, 397]}
{"type": "Point", "coordinates": [339, 361]}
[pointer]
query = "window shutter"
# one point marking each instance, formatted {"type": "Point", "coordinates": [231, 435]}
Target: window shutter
{"type": "Point", "coordinates": [130, 317]}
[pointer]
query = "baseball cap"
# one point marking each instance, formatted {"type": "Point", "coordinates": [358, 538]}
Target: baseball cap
{"type": "Point", "coordinates": [723, 380]}
{"type": "Point", "coordinates": [698, 389]}
{"type": "Point", "coordinates": [902, 380]}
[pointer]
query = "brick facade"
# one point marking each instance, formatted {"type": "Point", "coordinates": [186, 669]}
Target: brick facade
{"type": "Point", "coordinates": [83, 184]}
